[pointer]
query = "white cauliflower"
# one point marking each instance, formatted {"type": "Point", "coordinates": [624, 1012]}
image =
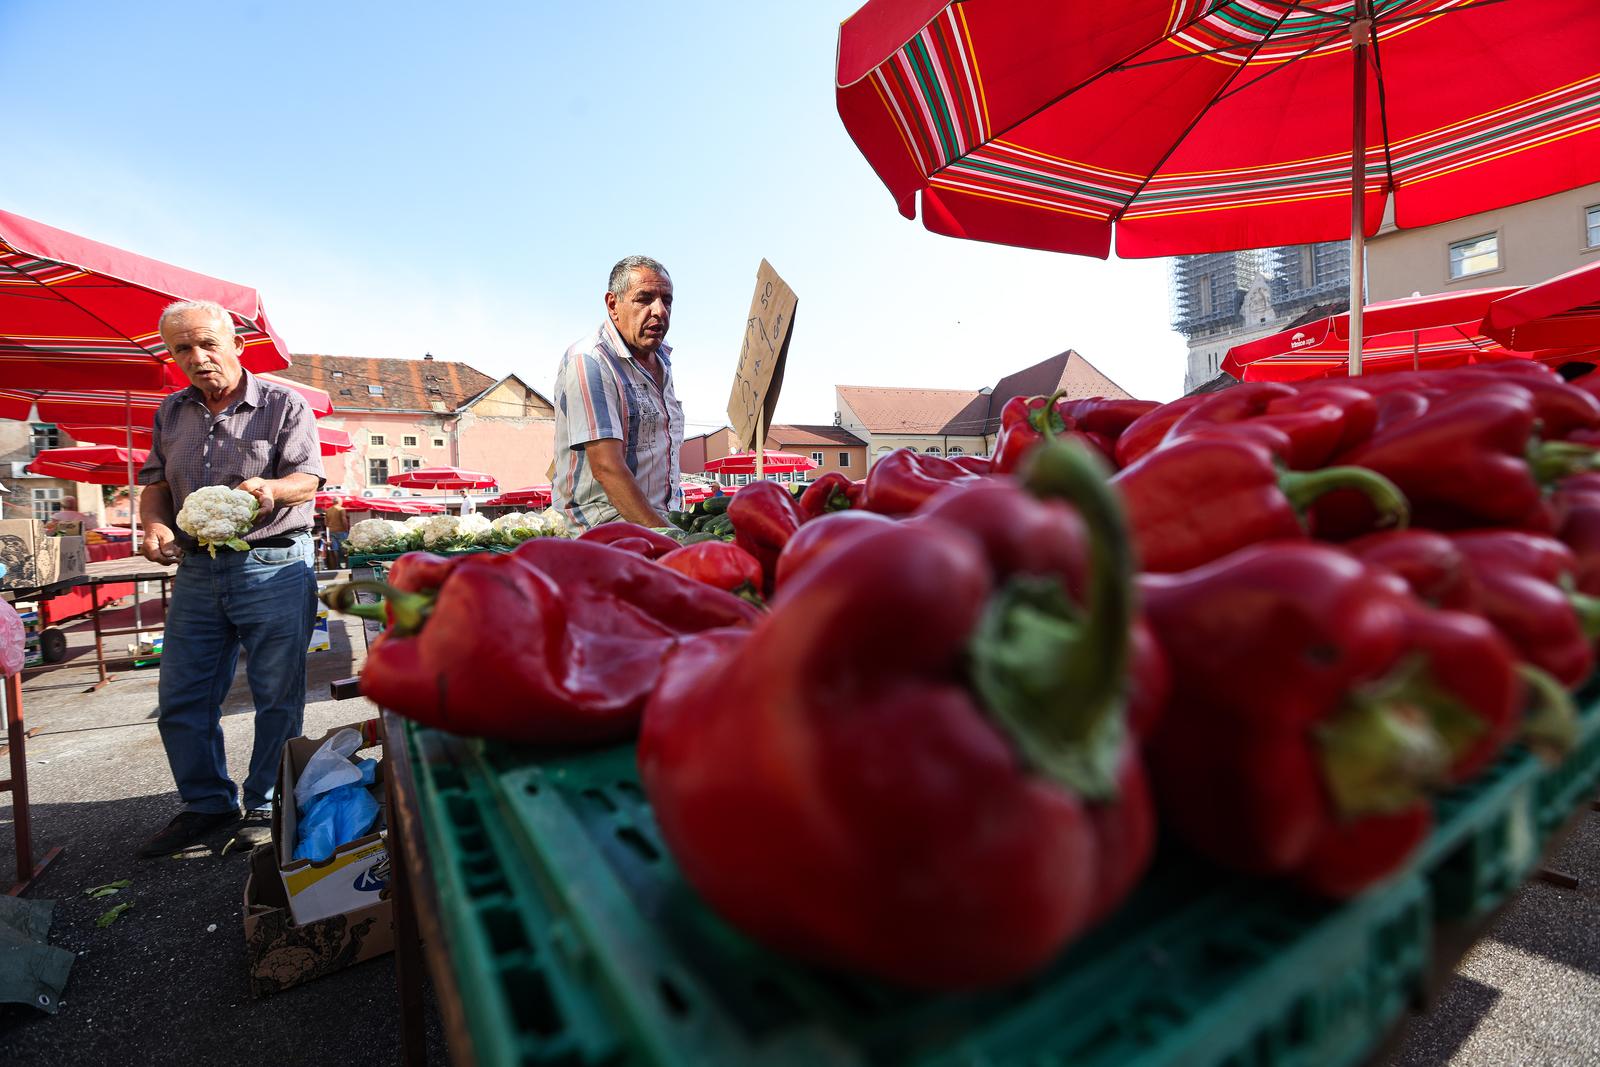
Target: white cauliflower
{"type": "Point", "coordinates": [378, 536]}
{"type": "Point", "coordinates": [554, 522]}
{"type": "Point", "coordinates": [474, 529]}
{"type": "Point", "coordinates": [438, 530]}
{"type": "Point", "coordinates": [515, 527]}
{"type": "Point", "coordinates": [446, 532]}
{"type": "Point", "coordinates": [217, 515]}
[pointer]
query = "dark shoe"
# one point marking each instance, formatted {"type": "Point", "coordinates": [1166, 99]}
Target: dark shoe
{"type": "Point", "coordinates": [185, 830]}
{"type": "Point", "coordinates": [254, 830]}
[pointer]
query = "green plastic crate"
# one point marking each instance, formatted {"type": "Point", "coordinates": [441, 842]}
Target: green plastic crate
{"type": "Point", "coordinates": [575, 941]}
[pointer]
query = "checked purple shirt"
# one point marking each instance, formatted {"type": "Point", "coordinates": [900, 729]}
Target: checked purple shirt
{"type": "Point", "coordinates": [267, 433]}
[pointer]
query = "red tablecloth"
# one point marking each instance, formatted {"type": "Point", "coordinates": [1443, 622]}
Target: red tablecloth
{"type": "Point", "coordinates": [75, 602]}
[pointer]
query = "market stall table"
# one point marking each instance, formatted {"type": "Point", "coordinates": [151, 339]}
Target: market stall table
{"type": "Point", "coordinates": [103, 579]}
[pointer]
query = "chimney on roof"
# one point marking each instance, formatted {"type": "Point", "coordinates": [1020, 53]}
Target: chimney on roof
{"type": "Point", "coordinates": [428, 356]}
{"type": "Point", "coordinates": [987, 390]}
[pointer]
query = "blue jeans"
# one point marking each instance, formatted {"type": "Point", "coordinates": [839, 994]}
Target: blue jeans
{"type": "Point", "coordinates": [265, 600]}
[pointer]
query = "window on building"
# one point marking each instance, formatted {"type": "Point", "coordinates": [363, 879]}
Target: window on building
{"type": "Point", "coordinates": [438, 442]}
{"type": "Point", "coordinates": [408, 441]}
{"type": "Point", "coordinates": [816, 457]}
{"type": "Point", "coordinates": [744, 479]}
{"type": "Point", "coordinates": [844, 459]}
{"type": "Point", "coordinates": [375, 439]}
{"type": "Point", "coordinates": [374, 390]}
{"type": "Point", "coordinates": [1205, 297]}
{"type": "Point", "coordinates": [957, 450]}
{"type": "Point", "coordinates": [1591, 226]}
{"type": "Point", "coordinates": [377, 471]}
{"type": "Point", "coordinates": [1475, 255]}
{"type": "Point", "coordinates": [339, 375]}
{"type": "Point", "coordinates": [45, 435]}
{"type": "Point", "coordinates": [46, 502]}
{"type": "Point", "coordinates": [933, 450]}
{"type": "Point", "coordinates": [409, 465]}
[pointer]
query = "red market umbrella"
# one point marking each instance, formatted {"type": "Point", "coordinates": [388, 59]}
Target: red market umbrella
{"type": "Point", "coordinates": [1560, 313]}
{"type": "Point", "coordinates": [532, 496]}
{"type": "Point", "coordinates": [442, 478]}
{"type": "Point", "coordinates": [103, 407]}
{"type": "Point", "coordinates": [772, 463]}
{"type": "Point", "coordinates": [95, 464]}
{"type": "Point", "coordinates": [1419, 331]}
{"type": "Point", "coordinates": [333, 441]}
{"type": "Point", "coordinates": [323, 501]}
{"type": "Point", "coordinates": [1187, 126]}
{"type": "Point", "coordinates": [79, 314]}
{"type": "Point", "coordinates": [694, 494]}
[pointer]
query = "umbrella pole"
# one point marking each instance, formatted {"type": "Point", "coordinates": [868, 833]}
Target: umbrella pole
{"type": "Point", "coordinates": [1360, 34]}
{"type": "Point", "coordinates": [133, 514]}
{"type": "Point", "coordinates": [761, 441]}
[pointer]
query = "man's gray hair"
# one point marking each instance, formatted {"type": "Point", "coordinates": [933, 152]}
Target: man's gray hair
{"type": "Point", "coordinates": [622, 273]}
{"type": "Point", "coordinates": [183, 307]}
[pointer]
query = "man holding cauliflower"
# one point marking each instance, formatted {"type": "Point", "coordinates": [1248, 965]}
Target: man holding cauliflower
{"type": "Point", "coordinates": [230, 480]}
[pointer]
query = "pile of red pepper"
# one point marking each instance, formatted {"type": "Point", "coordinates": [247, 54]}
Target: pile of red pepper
{"type": "Point", "coordinates": [926, 725]}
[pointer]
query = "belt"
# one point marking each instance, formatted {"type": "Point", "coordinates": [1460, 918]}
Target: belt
{"type": "Point", "coordinates": [279, 542]}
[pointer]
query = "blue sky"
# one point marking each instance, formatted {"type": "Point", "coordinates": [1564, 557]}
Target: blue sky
{"type": "Point", "coordinates": [458, 179]}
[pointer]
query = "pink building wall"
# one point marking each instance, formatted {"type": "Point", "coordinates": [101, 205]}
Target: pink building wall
{"type": "Point", "coordinates": [515, 451]}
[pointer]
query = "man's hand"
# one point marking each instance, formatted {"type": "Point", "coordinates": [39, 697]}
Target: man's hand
{"type": "Point", "coordinates": [159, 545]}
{"type": "Point", "coordinates": [261, 489]}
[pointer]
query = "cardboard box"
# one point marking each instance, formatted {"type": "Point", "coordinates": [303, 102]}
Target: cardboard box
{"type": "Point", "coordinates": [358, 872]}
{"type": "Point", "coordinates": [282, 953]}
{"type": "Point", "coordinates": [33, 559]}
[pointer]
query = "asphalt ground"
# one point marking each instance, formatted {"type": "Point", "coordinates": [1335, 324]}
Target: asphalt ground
{"type": "Point", "coordinates": [166, 983]}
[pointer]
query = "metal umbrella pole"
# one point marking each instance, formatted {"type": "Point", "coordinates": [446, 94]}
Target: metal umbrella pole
{"type": "Point", "coordinates": [1360, 40]}
{"type": "Point", "coordinates": [133, 518]}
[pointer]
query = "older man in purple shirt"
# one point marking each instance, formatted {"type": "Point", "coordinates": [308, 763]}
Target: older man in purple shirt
{"type": "Point", "coordinates": [229, 428]}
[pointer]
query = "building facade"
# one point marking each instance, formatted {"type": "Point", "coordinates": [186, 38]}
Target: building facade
{"type": "Point", "coordinates": [407, 413]}
{"type": "Point", "coordinates": [1518, 245]}
{"type": "Point", "coordinates": [29, 496]}
{"type": "Point", "coordinates": [1223, 299]}
{"type": "Point", "coordinates": [830, 447]}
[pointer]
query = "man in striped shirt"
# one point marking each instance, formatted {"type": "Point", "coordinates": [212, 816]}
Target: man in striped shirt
{"type": "Point", "coordinates": [619, 426]}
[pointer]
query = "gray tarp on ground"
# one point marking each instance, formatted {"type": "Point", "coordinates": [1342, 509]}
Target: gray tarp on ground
{"type": "Point", "coordinates": [32, 971]}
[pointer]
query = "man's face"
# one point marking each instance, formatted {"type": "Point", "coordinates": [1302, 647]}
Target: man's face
{"type": "Point", "coordinates": [642, 315]}
{"type": "Point", "coordinates": [206, 350]}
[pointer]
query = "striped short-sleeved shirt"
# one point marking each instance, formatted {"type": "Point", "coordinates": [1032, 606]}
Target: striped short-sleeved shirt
{"type": "Point", "coordinates": [269, 432]}
{"type": "Point", "coordinates": [601, 393]}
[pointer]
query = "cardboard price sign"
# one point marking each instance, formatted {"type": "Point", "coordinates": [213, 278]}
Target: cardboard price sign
{"type": "Point", "coordinates": [766, 346]}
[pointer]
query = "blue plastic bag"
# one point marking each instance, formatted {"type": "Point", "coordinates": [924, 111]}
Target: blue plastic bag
{"type": "Point", "coordinates": [336, 817]}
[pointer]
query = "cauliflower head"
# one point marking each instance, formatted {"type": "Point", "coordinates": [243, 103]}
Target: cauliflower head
{"type": "Point", "coordinates": [217, 515]}
{"type": "Point", "coordinates": [378, 536]}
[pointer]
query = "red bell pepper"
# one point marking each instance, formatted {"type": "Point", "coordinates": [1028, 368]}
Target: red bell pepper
{"type": "Point", "coordinates": [1290, 747]}
{"type": "Point", "coordinates": [718, 564]}
{"type": "Point", "coordinates": [1315, 425]}
{"type": "Point", "coordinates": [1107, 417]}
{"type": "Point", "coordinates": [764, 516]}
{"type": "Point", "coordinates": [559, 642]}
{"type": "Point", "coordinates": [831, 492]}
{"type": "Point", "coordinates": [970, 464]}
{"type": "Point", "coordinates": [1468, 683]}
{"type": "Point", "coordinates": [1469, 460]}
{"type": "Point", "coordinates": [946, 809]}
{"type": "Point", "coordinates": [1576, 509]}
{"type": "Point", "coordinates": [821, 537]}
{"type": "Point", "coordinates": [1561, 408]}
{"type": "Point", "coordinates": [1146, 433]}
{"type": "Point", "coordinates": [1428, 562]}
{"type": "Point", "coordinates": [1026, 422]}
{"type": "Point", "coordinates": [1200, 498]}
{"type": "Point", "coordinates": [630, 537]}
{"type": "Point", "coordinates": [1523, 581]}
{"type": "Point", "coordinates": [902, 480]}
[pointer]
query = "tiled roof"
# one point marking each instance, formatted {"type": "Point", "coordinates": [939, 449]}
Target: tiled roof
{"type": "Point", "coordinates": [912, 410]}
{"type": "Point", "coordinates": [407, 384]}
{"type": "Point", "coordinates": [961, 412]}
{"type": "Point", "coordinates": [784, 434]}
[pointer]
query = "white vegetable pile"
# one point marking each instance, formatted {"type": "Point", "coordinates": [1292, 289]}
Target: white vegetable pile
{"type": "Point", "coordinates": [217, 515]}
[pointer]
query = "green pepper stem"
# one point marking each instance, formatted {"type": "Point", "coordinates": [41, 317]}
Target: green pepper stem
{"type": "Point", "coordinates": [409, 610]}
{"type": "Point", "coordinates": [1304, 487]}
{"type": "Point", "coordinates": [1044, 420]}
{"type": "Point", "coordinates": [1378, 755]}
{"type": "Point", "coordinates": [1588, 610]}
{"type": "Point", "coordinates": [1550, 727]}
{"type": "Point", "coordinates": [1553, 460]}
{"type": "Point", "coordinates": [1054, 676]}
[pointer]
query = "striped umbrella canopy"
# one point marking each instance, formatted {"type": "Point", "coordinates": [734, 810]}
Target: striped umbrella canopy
{"type": "Point", "coordinates": [95, 464]}
{"type": "Point", "coordinates": [442, 478]}
{"type": "Point", "coordinates": [78, 314]}
{"type": "Point", "coordinates": [1187, 126]}
{"type": "Point", "coordinates": [532, 496]}
{"type": "Point", "coordinates": [332, 441]}
{"type": "Point", "coordinates": [1560, 312]}
{"type": "Point", "coordinates": [771, 463]}
{"type": "Point", "coordinates": [105, 407]}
